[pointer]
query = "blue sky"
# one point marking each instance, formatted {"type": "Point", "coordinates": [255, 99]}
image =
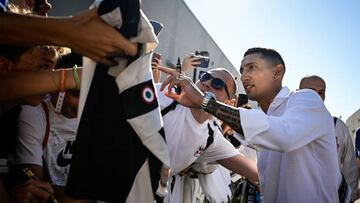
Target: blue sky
{"type": "Point", "coordinates": [314, 37]}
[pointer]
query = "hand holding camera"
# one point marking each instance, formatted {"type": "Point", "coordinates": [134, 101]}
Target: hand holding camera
{"type": "Point", "coordinates": [189, 62]}
{"type": "Point", "coordinates": [203, 58]}
{"type": "Point", "coordinates": [155, 63]}
{"type": "Point", "coordinates": [156, 60]}
{"type": "Point", "coordinates": [197, 59]}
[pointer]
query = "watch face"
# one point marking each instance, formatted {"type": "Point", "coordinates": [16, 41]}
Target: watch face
{"type": "Point", "coordinates": [206, 99]}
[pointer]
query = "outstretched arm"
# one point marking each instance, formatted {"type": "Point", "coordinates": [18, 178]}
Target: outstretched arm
{"type": "Point", "coordinates": [242, 166]}
{"type": "Point", "coordinates": [17, 85]}
{"type": "Point", "coordinates": [85, 33]}
{"type": "Point", "coordinates": [228, 114]}
{"type": "Point", "coordinates": [191, 96]}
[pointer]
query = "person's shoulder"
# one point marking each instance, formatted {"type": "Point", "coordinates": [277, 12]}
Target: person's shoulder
{"type": "Point", "coordinates": [339, 121]}
{"type": "Point", "coordinates": [29, 108]}
{"type": "Point", "coordinates": [32, 112]}
{"type": "Point", "coordinates": [307, 92]}
{"type": "Point", "coordinates": [307, 95]}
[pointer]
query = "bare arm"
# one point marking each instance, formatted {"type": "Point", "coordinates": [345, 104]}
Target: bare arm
{"type": "Point", "coordinates": [15, 85]}
{"type": "Point", "coordinates": [192, 97]}
{"type": "Point", "coordinates": [86, 33]}
{"type": "Point", "coordinates": [242, 166]}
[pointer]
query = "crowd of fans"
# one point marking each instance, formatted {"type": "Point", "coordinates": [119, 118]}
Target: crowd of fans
{"type": "Point", "coordinates": [287, 149]}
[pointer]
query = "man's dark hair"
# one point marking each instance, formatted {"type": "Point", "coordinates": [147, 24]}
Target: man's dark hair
{"type": "Point", "coordinates": [269, 54]}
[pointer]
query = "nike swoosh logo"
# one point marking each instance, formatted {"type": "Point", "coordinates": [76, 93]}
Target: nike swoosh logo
{"type": "Point", "coordinates": [61, 161]}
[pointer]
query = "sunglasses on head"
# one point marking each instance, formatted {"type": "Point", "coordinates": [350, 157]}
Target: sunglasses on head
{"type": "Point", "coordinates": [216, 83]}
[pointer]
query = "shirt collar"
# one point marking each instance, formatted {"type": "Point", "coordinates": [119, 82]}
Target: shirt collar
{"type": "Point", "coordinates": [280, 97]}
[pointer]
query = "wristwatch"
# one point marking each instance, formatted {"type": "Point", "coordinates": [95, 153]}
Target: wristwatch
{"type": "Point", "coordinates": [206, 99]}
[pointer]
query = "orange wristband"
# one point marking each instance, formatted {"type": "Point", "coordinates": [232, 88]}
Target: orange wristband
{"type": "Point", "coordinates": [62, 80]}
{"type": "Point", "coordinates": [61, 95]}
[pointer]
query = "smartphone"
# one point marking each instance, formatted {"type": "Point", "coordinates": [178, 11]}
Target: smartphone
{"type": "Point", "coordinates": [156, 56]}
{"type": "Point", "coordinates": [242, 99]}
{"type": "Point", "coordinates": [204, 61]}
{"type": "Point", "coordinates": [157, 26]}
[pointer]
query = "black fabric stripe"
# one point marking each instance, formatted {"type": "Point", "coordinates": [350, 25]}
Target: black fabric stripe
{"type": "Point", "coordinates": [342, 190]}
{"type": "Point", "coordinates": [171, 107]}
{"type": "Point", "coordinates": [210, 139]}
{"type": "Point", "coordinates": [219, 127]}
{"type": "Point", "coordinates": [236, 143]}
{"type": "Point", "coordinates": [129, 12]}
{"type": "Point", "coordinates": [162, 133]}
{"type": "Point", "coordinates": [173, 179]}
{"type": "Point", "coordinates": [155, 168]}
{"type": "Point", "coordinates": [134, 102]}
{"type": "Point", "coordinates": [107, 152]}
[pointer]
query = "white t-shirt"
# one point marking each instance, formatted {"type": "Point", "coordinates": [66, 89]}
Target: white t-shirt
{"type": "Point", "coordinates": [297, 161]}
{"type": "Point", "coordinates": [187, 139]}
{"type": "Point", "coordinates": [57, 153]}
{"type": "Point", "coordinates": [216, 185]}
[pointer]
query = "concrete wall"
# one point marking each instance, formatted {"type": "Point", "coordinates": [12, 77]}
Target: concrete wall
{"type": "Point", "coordinates": [182, 32]}
{"type": "Point", "coordinates": [68, 7]}
{"type": "Point", "coordinates": [353, 122]}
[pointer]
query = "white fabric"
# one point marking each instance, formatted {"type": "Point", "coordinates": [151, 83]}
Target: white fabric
{"type": "Point", "coordinates": [187, 139]}
{"type": "Point", "coordinates": [216, 185]}
{"type": "Point", "coordinates": [132, 76]}
{"type": "Point", "coordinates": [32, 127]}
{"type": "Point", "coordinates": [86, 76]}
{"type": "Point", "coordinates": [141, 183]}
{"type": "Point", "coordinates": [346, 156]}
{"type": "Point", "coordinates": [186, 190]}
{"type": "Point", "coordinates": [298, 160]}
{"type": "Point", "coordinates": [143, 124]}
{"type": "Point", "coordinates": [248, 152]}
{"type": "Point", "coordinates": [140, 68]}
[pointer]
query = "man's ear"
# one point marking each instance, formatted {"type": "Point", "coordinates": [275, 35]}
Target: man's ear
{"type": "Point", "coordinates": [5, 65]}
{"type": "Point", "coordinates": [278, 71]}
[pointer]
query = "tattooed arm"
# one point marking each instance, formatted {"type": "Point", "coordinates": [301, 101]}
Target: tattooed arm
{"type": "Point", "coordinates": [228, 114]}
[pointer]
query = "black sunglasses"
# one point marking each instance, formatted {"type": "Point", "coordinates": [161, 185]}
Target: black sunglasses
{"type": "Point", "coordinates": [216, 83]}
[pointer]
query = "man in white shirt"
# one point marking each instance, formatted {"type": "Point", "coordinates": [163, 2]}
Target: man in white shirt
{"type": "Point", "coordinates": [297, 159]}
{"type": "Point", "coordinates": [345, 147]}
{"type": "Point", "coordinates": [193, 135]}
{"type": "Point", "coordinates": [46, 133]}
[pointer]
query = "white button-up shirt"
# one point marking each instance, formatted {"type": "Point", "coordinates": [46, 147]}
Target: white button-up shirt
{"type": "Point", "coordinates": [297, 158]}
